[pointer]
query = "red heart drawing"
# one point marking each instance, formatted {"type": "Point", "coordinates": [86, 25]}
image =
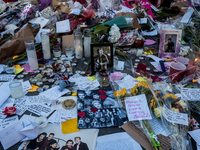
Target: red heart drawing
{"type": "Point", "coordinates": [102, 92]}
{"type": "Point", "coordinates": [93, 109]}
{"type": "Point", "coordinates": [81, 114]}
{"type": "Point", "coordinates": [102, 96]}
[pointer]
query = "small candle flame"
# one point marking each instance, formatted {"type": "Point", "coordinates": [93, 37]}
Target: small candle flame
{"type": "Point", "coordinates": [196, 59]}
{"type": "Point", "coordinates": [104, 79]}
{"type": "Point", "coordinates": [7, 3]}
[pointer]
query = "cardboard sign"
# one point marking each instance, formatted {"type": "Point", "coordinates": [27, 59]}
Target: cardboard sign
{"type": "Point", "coordinates": [141, 138]}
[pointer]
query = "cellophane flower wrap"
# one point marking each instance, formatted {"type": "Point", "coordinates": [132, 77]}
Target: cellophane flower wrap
{"type": "Point", "coordinates": [179, 139]}
{"type": "Point", "coordinates": [141, 88]}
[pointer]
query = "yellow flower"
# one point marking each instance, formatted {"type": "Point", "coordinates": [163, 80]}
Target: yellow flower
{"type": "Point", "coordinates": [157, 112]}
{"type": "Point", "coordinates": [157, 92]}
{"type": "Point", "coordinates": [182, 103]}
{"type": "Point", "coordinates": [119, 93]}
{"type": "Point", "coordinates": [153, 103]}
{"type": "Point", "coordinates": [171, 95]}
{"type": "Point", "coordinates": [133, 90]}
{"type": "Point", "coordinates": [143, 83]}
{"type": "Point", "coordinates": [175, 110]}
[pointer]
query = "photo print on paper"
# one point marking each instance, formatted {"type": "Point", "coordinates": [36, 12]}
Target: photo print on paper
{"type": "Point", "coordinates": [99, 108]}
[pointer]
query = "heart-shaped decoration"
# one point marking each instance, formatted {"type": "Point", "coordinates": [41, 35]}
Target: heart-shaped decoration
{"type": "Point", "coordinates": [93, 109]}
{"type": "Point", "coordinates": [81, 114]}
{"type": "Point", "coordinates": [102, 96]}
{"type": "Point", "coordinates": [102, 92]}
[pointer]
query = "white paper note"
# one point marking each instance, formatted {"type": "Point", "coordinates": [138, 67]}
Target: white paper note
{"type": "Point", "coordinates": [174, 117]}
{"type": "Point", "coordinates": [137, 108]}
{"type": "Point", "coordinates": [143, 21]}
{"type": "Point", "coordinates": [2, 67]}
{"type": "Point", "coordinates": [40, 110]}
{"type": "Point", "coordinates": [42, 21]}
{"type": "Point", "coordinates": [155, 58]}
{"type": "Point", "coordinates": [10, 135]}
{"type": "Point", "coordinates": [152, 33]}
{"type": "Point", "coordinates": [8, 122]}
{"type": "Point", "coordinates": [21, 107]}
{"type": "Point", "coordinates": [120, 65]}
{"type": "Point", "coordinates": [6, 77]}
{"type": "Point", "coordinates": [4, 92]}
{"type": "Point", "coordinates": [127, 82]}
{"type": "Point", "coordinates": [31, 131]}
{"type": "Point", "coordinates": [117, 141]}
{"type": "Point", "coordinates": [54, 93]}
{"type": "Point", "coordinates": [157, 127]}
{"type": "Point", "coordinates": [62, 26]}
{"type": "Point", "coordinates": [195, 135]}
{"type": "Point", "coordinates": [187, 15]}
{"type": "Point", "coordinates": [26, 85]}
{"type": "Point", "coordinates": [190, 94]}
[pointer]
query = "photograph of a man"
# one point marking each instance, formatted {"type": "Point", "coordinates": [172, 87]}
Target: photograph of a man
{"type": "Point", "coordinates": [79, 144]}
{"type": "Point", "coordinates": [170, 46]}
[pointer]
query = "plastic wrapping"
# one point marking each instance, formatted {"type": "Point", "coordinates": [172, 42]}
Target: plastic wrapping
{"type": "Point", "coordinates": [168, 103]}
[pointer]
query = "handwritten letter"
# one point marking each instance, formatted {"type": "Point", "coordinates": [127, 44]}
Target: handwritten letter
{"type": "Point", "coordinates": [137, 108]}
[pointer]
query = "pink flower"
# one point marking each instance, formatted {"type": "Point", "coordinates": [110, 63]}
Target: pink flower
{"type": "Point", "coordinates": [195, 128]}
{"type": "Point", "coordinates": [193, 121]}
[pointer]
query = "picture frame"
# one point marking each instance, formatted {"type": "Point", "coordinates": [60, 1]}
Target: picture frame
{"type": "Point", "coordinates": [101, 57]}
{"type": "Point", "coordinates": [170, 42]}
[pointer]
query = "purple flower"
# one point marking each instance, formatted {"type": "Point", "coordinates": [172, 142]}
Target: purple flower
{"type": "Point", "coordinates": [32, 16]}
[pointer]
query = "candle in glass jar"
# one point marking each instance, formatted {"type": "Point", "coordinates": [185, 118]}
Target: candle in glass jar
{"type": "Point", "coordinates": [16, 89]}
{"type": "Point", "coordinates": [79, 52]}
{"type": "Point", "coordinates": [45, 45]}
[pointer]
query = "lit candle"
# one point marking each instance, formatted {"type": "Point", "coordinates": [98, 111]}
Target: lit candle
{"type": "Point", "coordinates": [79, 52]}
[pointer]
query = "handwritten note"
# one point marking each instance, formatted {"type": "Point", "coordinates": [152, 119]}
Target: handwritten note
{"type": "Point", "coordinates": [137, 108]}
{"type": "Point", "coordinates": [4, 91]}
{"type": "Point", "coordinates": [47, 12]}
{"type": "Point", "coordinates": [27, 68]}
{"type": "Point", "coordinates": [6, 77]}
{"type": "Point", "coordinates": [195, 135]}
{"type": "Point", "coordinates": [174, 117]}
{"type": "Point", "coordinates": [8, 121]}
{"type": "Point", "coordinates": [10, 135]}
{"type": "Point", "coordinates": [26, 85]}
{"type": "Point", "coordinates": [190, 94]}
{"type": "Point", "coordinates": [54, 93]}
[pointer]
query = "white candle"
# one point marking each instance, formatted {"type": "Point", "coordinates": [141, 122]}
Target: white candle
{"type": "Point", "coordinates": [16, 89]}
{"type": "Point", "coordinates": [32, 59]}
{"type": "Point", "coordinates": [46, 45]}
{"type": "Point", "coordinates": [41, 120]}
{"type": "Point", "coordinates": [57, 53]}
{"type": "Point", "coordinates": [79, 52]}
{"type": "Point", "coordinates": [87, 42]}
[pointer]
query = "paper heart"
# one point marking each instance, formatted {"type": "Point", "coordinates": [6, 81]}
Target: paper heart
{"type": "Point", "coordinates": [102, 96]}
{"type": "Point", "coordinates": [102, 92]}
{"type": "Point", "coordinates": [93, 109]}
{"type": "Point", "coordinates": [81, 114]}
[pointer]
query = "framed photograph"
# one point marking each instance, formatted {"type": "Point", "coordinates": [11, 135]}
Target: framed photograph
{"type": "Point", "coordinates": [101, 57]}
{"type": "Point", "coordinates": [170, 42]}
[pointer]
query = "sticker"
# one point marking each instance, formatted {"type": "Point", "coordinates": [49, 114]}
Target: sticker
{"type": "Point", "coordinates": [69, 104]}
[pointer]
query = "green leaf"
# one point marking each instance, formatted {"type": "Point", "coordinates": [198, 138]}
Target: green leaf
{"type": "Point", "coordinates": [99, 28]}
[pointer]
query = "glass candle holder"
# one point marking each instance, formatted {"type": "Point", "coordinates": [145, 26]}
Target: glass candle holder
{"type": "Point", "coordinates": [16, 89]}
{"type": "Point", "coordinates": [31, 54]}
{"type": "Point", "coordinates": [57, 51]}
{"type": "Point", "coordinates": [104, 80]}
{"type": "Point", "coordinates": [68, 51]}
{"type": "Point", "coordinates": [45, 45]}
{"type": "Point", "coordinates": [78, 44]}
{"type": "Point", "coordinates": [41, 120]}
{"type": "Point", "coordinates": [87, 42]}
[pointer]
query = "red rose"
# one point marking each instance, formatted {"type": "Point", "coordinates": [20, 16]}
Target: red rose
{"type": "Point", "coordinates": [9, 110]}
{"type": "Point", "coordinates": [54, 42]}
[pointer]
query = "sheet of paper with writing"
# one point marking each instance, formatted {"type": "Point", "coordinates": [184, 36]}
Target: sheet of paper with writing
{"type": "Point", "coordinates": [116, 141]}
{"type": "Point", "coordinates": [4, 91]}
{"type": "Point", "coordinates": [6, 77]}
{"type": "Point", "coordinates": [137, 108]}
{"type": "Point", "coordinates": [10, 136]}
